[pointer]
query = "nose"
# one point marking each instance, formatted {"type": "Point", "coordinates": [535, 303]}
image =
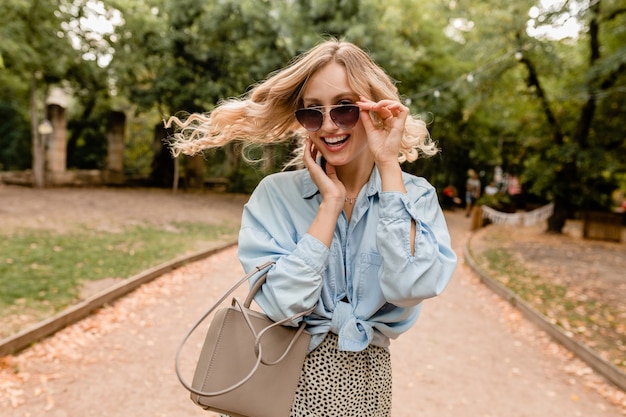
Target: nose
{"type": "Point", "coordinates": [327, 121]}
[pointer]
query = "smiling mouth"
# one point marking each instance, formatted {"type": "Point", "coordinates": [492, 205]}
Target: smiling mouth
{"type": "Point", "coordinates": [335, 140]}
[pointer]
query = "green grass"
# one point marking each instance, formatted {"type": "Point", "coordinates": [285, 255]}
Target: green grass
{"type": "Point", "coordinates": [43, 271]}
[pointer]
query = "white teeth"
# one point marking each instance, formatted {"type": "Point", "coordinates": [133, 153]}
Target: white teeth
{"type": "Point", "coordinates": [332, 141]}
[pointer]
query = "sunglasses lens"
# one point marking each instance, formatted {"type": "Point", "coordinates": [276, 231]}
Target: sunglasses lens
{"type": "Point", "coordinates": [310, 119]}
{"type": "Point", "coordinates": [346, 116]}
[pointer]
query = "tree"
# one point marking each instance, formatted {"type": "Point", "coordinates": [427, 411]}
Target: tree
{"type": "Point", "coordinates": [186, 56]}
{"type": "Point", "coordinates": [43, 45]}
{"type": "Point", "coordinates": [478, 115]}
{"type": "Point", "coordinates": [35, 50]}
{"type": "Point", "coordinates": [494, 91]}
{"type": "Point", "coordinates": [540, 119]}
{"type": "Point", "coordinates": [583, 163]}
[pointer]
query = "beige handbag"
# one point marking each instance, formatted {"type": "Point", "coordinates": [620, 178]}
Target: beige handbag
{"type": "Point", "coordinates": [249, 366]}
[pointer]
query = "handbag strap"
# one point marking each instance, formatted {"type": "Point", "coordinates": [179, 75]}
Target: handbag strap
{"type": "Point", "coordinates": [258, 336]}
{"type": "Point", "coordinates": [261, 269]}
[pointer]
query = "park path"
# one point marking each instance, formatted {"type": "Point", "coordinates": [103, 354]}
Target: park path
{"type": "Point", "coordinates": [470, 354]}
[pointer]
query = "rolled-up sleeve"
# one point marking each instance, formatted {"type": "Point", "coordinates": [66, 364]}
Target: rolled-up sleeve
{"type": "Point", "coordinates": [408, 277]}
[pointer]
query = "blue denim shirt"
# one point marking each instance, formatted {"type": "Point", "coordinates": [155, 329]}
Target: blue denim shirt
{"type": "Point", "coordinates": [367, 288]}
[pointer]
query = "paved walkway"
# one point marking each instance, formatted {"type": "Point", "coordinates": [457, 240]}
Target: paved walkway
{"type": "Point", "coordinates": [470, 354]}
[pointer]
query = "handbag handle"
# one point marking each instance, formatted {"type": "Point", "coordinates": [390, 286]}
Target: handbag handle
{"type": "Point", "coordinates": [258, 336]}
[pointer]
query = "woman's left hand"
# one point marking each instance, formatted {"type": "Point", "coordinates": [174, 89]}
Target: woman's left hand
{"type": "Point", "coordinates": [384, 135]}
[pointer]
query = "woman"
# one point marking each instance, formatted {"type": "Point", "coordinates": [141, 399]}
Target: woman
{"type": "Point", "coordinates": [472, 191]}
{"type": "Point", "coordinates": [351, 234]}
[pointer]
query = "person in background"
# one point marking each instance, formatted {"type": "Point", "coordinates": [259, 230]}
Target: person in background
{"type": "Point", "coordinates": [491, 189]}
{"type": "Point", "coordinates": [450, 197]}
{"type": "Point", "coordinates": [514, 190]}
{"type": "Point", "coordinates": [350, 234]}
{"type": "Point", "coordinates": [472, 191]}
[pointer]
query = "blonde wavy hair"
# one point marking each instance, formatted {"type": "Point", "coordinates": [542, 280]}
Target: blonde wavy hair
{"type": "Point", "coordinates": [265, 115]}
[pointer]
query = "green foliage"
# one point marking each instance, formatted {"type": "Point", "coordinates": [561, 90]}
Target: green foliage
{"type": "Point", "coordinates": [457, 64]}
{"type": "Point", "coordinates": [193, 53]}
{"type": "Point", "coordinates": [15, 152]}
{"type": "Point", "coordinates": [87, 151]}
{"type": "Point", "coordinates": [499, 201]}
{"type": "Point", "coordinates": [138, 148]}
{"type": "Point", "coordinates": [44, 43]}
{"type": "Point", "coordinates": [33, 40]}
{"type": "Point", "coordinates": [505, 119]}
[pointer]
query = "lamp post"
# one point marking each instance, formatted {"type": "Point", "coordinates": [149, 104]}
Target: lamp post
{"type": "Point", "coordinates": [45, 128]}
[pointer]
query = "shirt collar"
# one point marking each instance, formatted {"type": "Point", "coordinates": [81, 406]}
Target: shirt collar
{"type": "Point", "coordinates": [373, 186]}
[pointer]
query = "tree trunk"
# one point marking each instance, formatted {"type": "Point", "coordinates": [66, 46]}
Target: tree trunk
{"type": "Point", "coordinates": [38, 149]}
{"type": "Point", "coordinates": [194, 172]}
{"type": "Point", "coordinates": [566, 176]}
{"type": "Point", "coordinates": [232, 163]}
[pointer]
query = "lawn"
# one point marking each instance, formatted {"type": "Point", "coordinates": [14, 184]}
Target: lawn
{"type": "Point", "coordinates": [42, 272]}
{"type": "Point", "coordinates": [579, 308]}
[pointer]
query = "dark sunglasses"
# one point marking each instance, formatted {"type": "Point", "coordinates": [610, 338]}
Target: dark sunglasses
{"type": "Point", "coordinates": [345, 116]}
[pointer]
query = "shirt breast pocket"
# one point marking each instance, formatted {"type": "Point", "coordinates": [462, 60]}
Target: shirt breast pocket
{"type": "Point", "coordinates": [368, 287]}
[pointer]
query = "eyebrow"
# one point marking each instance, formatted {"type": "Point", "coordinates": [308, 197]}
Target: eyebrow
{"type": "Point", "coordinates": [341, 96]}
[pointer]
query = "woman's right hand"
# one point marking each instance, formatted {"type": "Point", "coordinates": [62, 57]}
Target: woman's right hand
{"type": "Point", "coordinates": [331, 188]}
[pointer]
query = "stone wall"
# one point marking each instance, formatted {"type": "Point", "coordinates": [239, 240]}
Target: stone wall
{"type": "Point", "coordinates": [75, 178]}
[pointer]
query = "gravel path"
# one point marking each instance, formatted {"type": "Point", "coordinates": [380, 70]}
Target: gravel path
{"type": "Point", "coordinates": [470, 354]}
